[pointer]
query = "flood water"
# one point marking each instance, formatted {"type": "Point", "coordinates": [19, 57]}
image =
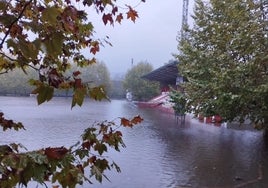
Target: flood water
{"type": "Point", "coordinates": [160, 153]}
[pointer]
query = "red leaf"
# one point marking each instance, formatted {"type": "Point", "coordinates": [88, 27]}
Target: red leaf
{"type": "Point", "coordinates": [95, 47]}
{"type": "Point", "coordinates": [78, 83]}
{"type": "Point", "coordinates": [125, 122]}
{"type": "Point", "coordinates": [119, 17]}
{"type": "Point", "coordinates": [55, 153]}
{"type": "Point", "coordinates": [54, 78]}
{"type": "Point", "coordinates": [76, 73]}
{"type": "Point", "coordinates": [136, 120]}
{"type": "Point", "coordinates": [86, 145]}
{"type": "Point", "coordinates": [132, 14]}
{"type": "Point", "coordinates": [80, 167]}
{"type": "Point", "coordinates": [115, 9]}
{"type": "Point", "coordinates": [92, 159]}
{"type": "Point", "coordinates": [106, 18]}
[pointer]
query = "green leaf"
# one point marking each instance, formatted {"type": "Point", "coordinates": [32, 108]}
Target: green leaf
{"type": "Point", "coordinates": [45, 93]}
{"type": "Point", "coordinates": [50, 15]}
{"type": "Point", "coordinates": [7, 19]}
{"type": "Point", "coordinates": [29, 50]}
{"type": "Point", "coordinates": [11, 44]}
{"type": "Point", "coordinates": [82, 153]}
{"type": "Point", "coordinates": [79, 95]}
{"type": "Point", "coordinates": [97, 173]}
{"type": "Point", "coordinates": [3, 5]}
{"type": "Point", "coordinates": [54, 44]}
{"type": "Point", "coordinates": [37, 157]}
{"type": "Point", "coordinates": [100, 148]}
{"type": "Point", "coordinates": [97, 93]}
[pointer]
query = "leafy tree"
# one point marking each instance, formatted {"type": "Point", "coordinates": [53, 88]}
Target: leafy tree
{"type": "Point", "coordinates": [97, 74]}
{"type": "Point", "coordinates": [224, 59]}
{"type": "Point", "coordinates": [141, 89]}
{"type": "Point", "coordinates": [46, 36]}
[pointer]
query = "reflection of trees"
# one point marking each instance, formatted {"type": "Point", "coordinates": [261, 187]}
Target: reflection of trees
{"type": "Point", "coordinates": [204, 155]}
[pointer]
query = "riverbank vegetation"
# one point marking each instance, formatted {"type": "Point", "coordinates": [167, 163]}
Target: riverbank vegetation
{"type": "Point", "coordinates": [44, 37]}
{"type": "Point", "coordinates": [224, 60]}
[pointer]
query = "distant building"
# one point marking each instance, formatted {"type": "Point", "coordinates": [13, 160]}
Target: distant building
{"type": "Point", "coordinates": [167, 76]}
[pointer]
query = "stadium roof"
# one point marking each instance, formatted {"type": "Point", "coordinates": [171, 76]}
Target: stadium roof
{"type": "Point", "coordinates": [166, 74]}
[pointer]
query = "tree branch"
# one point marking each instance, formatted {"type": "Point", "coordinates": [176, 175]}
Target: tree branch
{"type": "Point", "coordinates": [16, 20]}
{"type": "Point", "coordinates": [10, 58]}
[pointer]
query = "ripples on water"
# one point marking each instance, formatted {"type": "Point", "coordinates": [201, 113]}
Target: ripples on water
{"type": "Point", "coordinates": [159, 153]}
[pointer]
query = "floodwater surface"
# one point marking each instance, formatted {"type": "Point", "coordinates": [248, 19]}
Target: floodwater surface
{"type": "Point", "coordinates": [160, 153]}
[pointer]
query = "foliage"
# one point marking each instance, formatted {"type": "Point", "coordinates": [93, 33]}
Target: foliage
{"type": "Point", "coordinates": [179, 102]}
{"type": "Point", "coordinates": [46, 36]}
{"type": "Point", "coordinates": [225, 60]}
{"type": "Point", "coordinates": [66, 166]}
{"type": "Point", "coordinates": [141, 89]}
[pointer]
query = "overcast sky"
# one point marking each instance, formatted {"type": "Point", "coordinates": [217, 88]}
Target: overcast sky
{"type": "Point", "coordinates": [151, 38]}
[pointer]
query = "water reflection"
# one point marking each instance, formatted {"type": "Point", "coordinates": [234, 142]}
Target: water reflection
{"type": "Point", "coordinates": [160, 152]}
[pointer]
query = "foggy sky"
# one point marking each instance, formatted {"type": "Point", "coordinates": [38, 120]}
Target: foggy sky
{"type": "Point", "coordinates": [152, 38]}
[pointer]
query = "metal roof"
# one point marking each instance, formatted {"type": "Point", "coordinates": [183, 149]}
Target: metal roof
{"type": "Point", "coordinates": [166, 74]}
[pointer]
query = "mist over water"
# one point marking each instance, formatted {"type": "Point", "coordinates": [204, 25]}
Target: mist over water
{"type": "Point", "coordinates": [160, 153]}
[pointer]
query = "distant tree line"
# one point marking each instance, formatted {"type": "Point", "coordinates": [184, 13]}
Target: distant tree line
{"type": "Point", "coordinates": [15, 83]}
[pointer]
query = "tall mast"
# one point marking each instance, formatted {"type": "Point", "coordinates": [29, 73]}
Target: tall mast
{"type": "Point", "coordinates": [264, 9]}
{"type": "Point", "coordinates": [184, 17]}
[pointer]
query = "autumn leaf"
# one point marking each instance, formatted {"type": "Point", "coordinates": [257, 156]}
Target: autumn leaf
{"type": "Point", "coordinates": [125, 122]}
{"type": "Point", "coordinates": [119, 18]}
{"type": "Point", "coordinates": [136, 120]}
{"type": "Point", "coordinates": [55, 153]}
{"type": "Point", "coordinates": [86, 145]}
{"type": "Point", "coordinates": [15, 30]}
{"type": "Point", "coordinates": [130, 123]}
{"type": "Point", "coordinates": [78, 83]}
{"type": "Point", "coordinates": [54, 78]}
{"type": "Point", "coordinates": [95, 47]}
{"type": "Point", "coordinates": [115, 9]}
{"type": "Point", "coordinates": [132, 14]}
{"type": "Point", "coordinates": [92, 159]}
{"type": "Point", "coordinates": [107, 18]}
{"type": "Point", "coordinates": [76, 73]}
